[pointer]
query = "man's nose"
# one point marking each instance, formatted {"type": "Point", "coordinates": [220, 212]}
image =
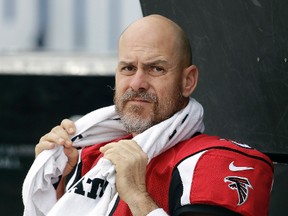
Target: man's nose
{"type": "Point", "coordinates": [139, 80]}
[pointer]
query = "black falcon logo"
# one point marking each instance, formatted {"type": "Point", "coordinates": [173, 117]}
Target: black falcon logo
{"type": "Point", "coordinates": [241, 185]}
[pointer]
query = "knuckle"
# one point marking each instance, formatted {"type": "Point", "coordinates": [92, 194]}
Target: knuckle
{"type": "Point", "coordinates": [56, 128]}
{"type": "Point", "coordinates": [48, 137]}
{"type": "Point", "coordinates": [42, 138]}
{"type": "Point", "coordinates": [68, 126]}
{"type": "Point", "coordinates": [65, 122]}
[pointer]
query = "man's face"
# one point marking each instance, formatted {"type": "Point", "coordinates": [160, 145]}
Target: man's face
{"type": "Point", "coordinates": [148, 82]}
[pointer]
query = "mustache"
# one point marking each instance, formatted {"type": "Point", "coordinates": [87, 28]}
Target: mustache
{"type": "Point", "coordinates": [143, 95]}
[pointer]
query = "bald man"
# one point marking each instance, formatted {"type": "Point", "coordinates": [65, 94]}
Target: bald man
{"type": "Point", "coordinates": [202, 175]}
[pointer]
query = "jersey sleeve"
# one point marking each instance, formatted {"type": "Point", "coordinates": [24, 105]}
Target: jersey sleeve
{"type": "Point", "coordinates": [222, 181]}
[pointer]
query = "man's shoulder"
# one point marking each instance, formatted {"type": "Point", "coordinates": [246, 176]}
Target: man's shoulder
{"type": "Point", "coordinates": [221, 172]}
{"type": "Point", "coordinates": [204, 142]}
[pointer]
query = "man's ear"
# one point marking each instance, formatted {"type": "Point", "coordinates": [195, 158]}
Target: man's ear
{"type": "Point", "coordinates": [190, 79]}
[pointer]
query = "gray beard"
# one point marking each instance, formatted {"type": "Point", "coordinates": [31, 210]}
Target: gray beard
{"type": "Point", "coordinates": [136, 125]}
{"type": "Point", "coordinates": [132, 120]}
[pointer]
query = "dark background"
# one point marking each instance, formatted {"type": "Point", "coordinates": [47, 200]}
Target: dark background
{"type": "Point", "coordinates": [240, 48]}
{"type": "Point", "coordinates": [29, 107]}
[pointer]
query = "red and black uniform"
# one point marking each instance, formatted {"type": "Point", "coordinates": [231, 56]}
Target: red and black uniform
{"type": "Point", "coordinates": [203, 174]}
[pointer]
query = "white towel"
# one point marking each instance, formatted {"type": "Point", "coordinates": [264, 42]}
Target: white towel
{"type": "Point", "coordinates": [39, 196]}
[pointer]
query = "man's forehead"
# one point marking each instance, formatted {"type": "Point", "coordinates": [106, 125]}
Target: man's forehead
{"type": "Point", "coordinates": [156, 60]}
{"type": "Point", "coordinates": [148, 47]}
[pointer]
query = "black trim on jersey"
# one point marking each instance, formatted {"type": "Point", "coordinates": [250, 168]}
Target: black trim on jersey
{"type": "Point", "coordinates": [176, 190]}
{"type": "Point", "coordinates": [205, 209]}
{"type": "Point", "coordinates": [115, 206]}
{"type": "Point", "coordinates": [175, 208]}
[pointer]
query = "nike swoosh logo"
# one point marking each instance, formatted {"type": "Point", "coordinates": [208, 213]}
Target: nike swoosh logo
{"type": "Point", "coordinates": [234, 168]}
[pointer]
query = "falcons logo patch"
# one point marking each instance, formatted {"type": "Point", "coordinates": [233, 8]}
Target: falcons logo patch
{"type": "Point", "coordinates": [241, 185]}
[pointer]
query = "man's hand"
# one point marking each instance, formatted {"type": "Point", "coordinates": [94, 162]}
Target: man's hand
{"type": "Point", "coordinates": [59, 135]}
{"type": "Point", "coordinates": [130, 164]}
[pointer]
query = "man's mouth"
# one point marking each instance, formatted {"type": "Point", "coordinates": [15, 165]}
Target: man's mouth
{"type": "Point", "coordinates": [139, 97]}
{"type": "Point", "coordinates": [140, 100]}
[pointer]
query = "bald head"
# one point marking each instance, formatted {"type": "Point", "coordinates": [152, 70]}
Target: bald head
{"type": "Point", "coordinates": [154, 76]}
{"type": "Point", "coordinates": [157, 30]}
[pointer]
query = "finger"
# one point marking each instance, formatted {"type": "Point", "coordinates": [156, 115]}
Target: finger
{"type": "Point", "coordinates": [129, 145]}
{"type": "Point", "coordinates": [130, 148]}
{"type": "Point", "coordinates": [69, 126]}
{"type": "Point", "coordinates": [44, 145]}
{"type": "Point", "coordinates": [106, 147]}
{"type": "Point", "coordinates": [60, 136]}
{"type": "Point", "coordinates": [124, 150]}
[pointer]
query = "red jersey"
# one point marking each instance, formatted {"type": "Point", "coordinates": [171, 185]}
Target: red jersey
{"type": "Point", "coordinates": [203, 174]}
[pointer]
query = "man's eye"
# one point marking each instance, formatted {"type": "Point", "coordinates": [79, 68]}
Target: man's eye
{"type": "Point", "coordinates": [156, 71]}
{"type": "Point", "coordinates": [128, 68]}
